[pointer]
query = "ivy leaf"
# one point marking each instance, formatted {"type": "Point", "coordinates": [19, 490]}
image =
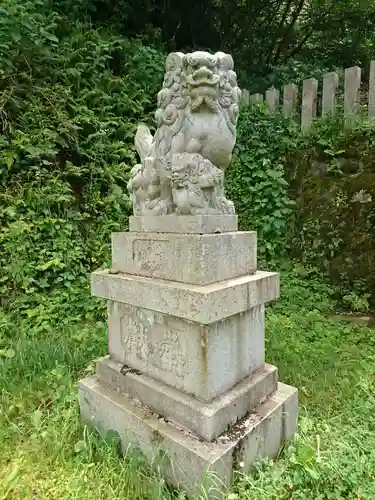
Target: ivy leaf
{"type": "Point", "coordinates": [7, 353]}
{"type": "Point", "coordinates": [79, 446]}
{"type": "Point", "coordinates": [16, 35]}
{"type": "Point", "coordinates": [36, 419]}
{"type": "Point", "coordinates": [51, 37]}
{"type": "Point", "coordinates": [53, 263]}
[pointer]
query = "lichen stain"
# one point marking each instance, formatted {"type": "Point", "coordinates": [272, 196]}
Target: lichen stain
{"type": "Point", "coordinates": [204, 367]}
{"type": "Point", "coordinates": [156, 437]}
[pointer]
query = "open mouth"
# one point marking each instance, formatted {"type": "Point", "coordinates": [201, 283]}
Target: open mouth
{"type": "Point", "coordinates": [207, 88]}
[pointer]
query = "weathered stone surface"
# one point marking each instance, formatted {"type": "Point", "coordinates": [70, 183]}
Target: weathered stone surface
{"type": "Point", "coordinates": [290, 410]}
{"type": "Point", "coordinates": [202, 360]}
{"type": "Point", "coordinates": [205, 420]}
{"type": "Point", "coordinates": [182, 167]}
{"type": "Point", "coordinates": [202, 304]}
{"type": "Point", "coordinates": [185, 379]}
{"type": "Point", "coordinates": [352, 94]}
{"type": "Point", "coordinates": [329, 98]}
{"type": "Point", "coordinates": [245, 98]}
{"type": "Point", "coordinates": [187, 461]}
{"type": "Point", "coordinates": [188, 224]}
{"type": "Point", "coordinates": [256, 98]}
{"type": "Point", "coordinates": [290, 100]}
{"type": "Point", "coordinates": [273, 99]}
{"type": "Point", "coordinates": [309, 96]}
{"type": "Point", "coordinates": [187, 258]}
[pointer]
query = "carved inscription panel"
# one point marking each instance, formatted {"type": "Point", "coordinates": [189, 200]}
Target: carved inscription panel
{"type": "Point", "coordinates": [204, 361]}
{"type": "Point", "coordinates": [150, 254]}
{"type": "Point", "coordinates": [153, 338]}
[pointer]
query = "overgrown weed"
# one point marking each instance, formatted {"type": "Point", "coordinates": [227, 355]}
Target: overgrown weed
{"type": "Point", "coordinates": [47, 452]}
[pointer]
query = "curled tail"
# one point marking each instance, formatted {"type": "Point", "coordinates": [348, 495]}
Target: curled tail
{"type": "Point", "coordinates": [143, 141]}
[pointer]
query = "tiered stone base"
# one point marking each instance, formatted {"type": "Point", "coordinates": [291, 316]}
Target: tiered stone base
{"type": "Point", "coordinates": [189, 462]}
{"type": "Point", "coordinates": [186, 379]}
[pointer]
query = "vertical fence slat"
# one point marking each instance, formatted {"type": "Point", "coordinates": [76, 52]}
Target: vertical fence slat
{"type": "Point", "coordinates": [309, 97]}
{"type": "Point", "coordinates": [351, 97]}
{"type": "Point", "coordinates": [245, 98]}
{"type": "Point", "coordinates": [309, 93]}
{"type": "Point", "coordinates": [256, 98]}
{"type": "Point", "coordinates": [290, 100]}
{"type": "Point", "coordinates": [371, 91]}
{"type": "Point", "coordinates": [273, 99]}
{"type": "Point", "coordinates": [330, 85]}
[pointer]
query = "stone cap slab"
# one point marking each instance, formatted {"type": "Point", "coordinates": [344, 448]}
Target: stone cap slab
{"type": "Point", "coordinates": [188, 224]}
{"type": "Point", "coordinates": [199, 259]}
{"type": "Point", "coordinates": [202, 304]}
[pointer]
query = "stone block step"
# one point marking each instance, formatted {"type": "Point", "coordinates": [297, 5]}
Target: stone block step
{"type": "Point", "coordinates": [205, 420]}
{"type": "Point", "coordinates": [202, 360]}
{"type": "Point", "coordinates": [186, 461]}
{"type": "Point", "coordinates": [187, 258]}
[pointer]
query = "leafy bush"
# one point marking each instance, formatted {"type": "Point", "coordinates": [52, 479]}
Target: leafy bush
{"type": "Point", "coordinates": [256, 181]}
{"type": "Point", "coordinates": [332, 180]}
{"type": "Point", "coordinates": [70, 98]}
{"type": "Point", "coordinates": [65, 144]}
{"type": "Point", "coordinates": [310, 197]}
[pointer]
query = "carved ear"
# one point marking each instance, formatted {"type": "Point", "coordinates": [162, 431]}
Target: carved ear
{"type": "Point", "coordinates": [174, 60]}
{"type": "Point", "coordinates": [225, 61]}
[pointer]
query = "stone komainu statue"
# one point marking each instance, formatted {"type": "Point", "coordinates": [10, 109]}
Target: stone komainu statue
{"type": "Point", "coordinates": [182, 166]}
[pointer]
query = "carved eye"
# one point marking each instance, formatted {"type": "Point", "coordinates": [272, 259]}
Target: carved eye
{"type": "Point", "coordinates": [193, 64]}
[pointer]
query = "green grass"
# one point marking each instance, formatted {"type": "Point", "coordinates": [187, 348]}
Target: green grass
{"type": "Point", "coordinates": [46, 453]}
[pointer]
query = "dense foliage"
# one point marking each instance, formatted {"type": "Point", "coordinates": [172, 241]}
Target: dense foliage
{"type": "Point", "coordinates": [332, 180]}
{"type": "Point", "coordinates": [65, 147]}
{"type": "Point", "coordinates": [256, 179]}
{"type": "Point", "coordinates": [70, 98]}
{"type": "Point", "coordinates": [266, 38]}
{"type": "Point", "coordinates": [311, 197]}
{"type": "Point", "coordinates": [75, 78]}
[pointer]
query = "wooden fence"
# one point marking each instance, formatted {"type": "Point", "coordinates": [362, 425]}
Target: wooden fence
{"type": "Point", "coordinates": [308, 99]}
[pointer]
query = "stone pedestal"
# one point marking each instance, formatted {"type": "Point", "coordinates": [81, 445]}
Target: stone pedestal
{"type": "Point", "coordinates": [186, 379]}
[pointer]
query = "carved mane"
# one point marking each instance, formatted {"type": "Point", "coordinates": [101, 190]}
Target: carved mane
{"type": "Point", "coordinates": [196, 117]}
{"type": "Point", "coordinates": [174, 103]}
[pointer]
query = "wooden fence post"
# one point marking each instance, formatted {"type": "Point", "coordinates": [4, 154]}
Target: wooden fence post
{"type": "Point", "coordinates": [256, 98]}
{"type": "Point", "coordinates": [245, 98]}
{"type": "Point", "coordinates": [330, 85]}
{"type": "Point", "coordinates": [371, 91]}
{"type": "Point", "coordinates": [351, 97]}
{"type": "Point", "coordinates": [290, 100]}
{"type": "Point", "coordinates": [308, 113]}
{"type": "Point", "coordinates": [309, 97]}
{"type": "Point", "coordinates": [273, 99]}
